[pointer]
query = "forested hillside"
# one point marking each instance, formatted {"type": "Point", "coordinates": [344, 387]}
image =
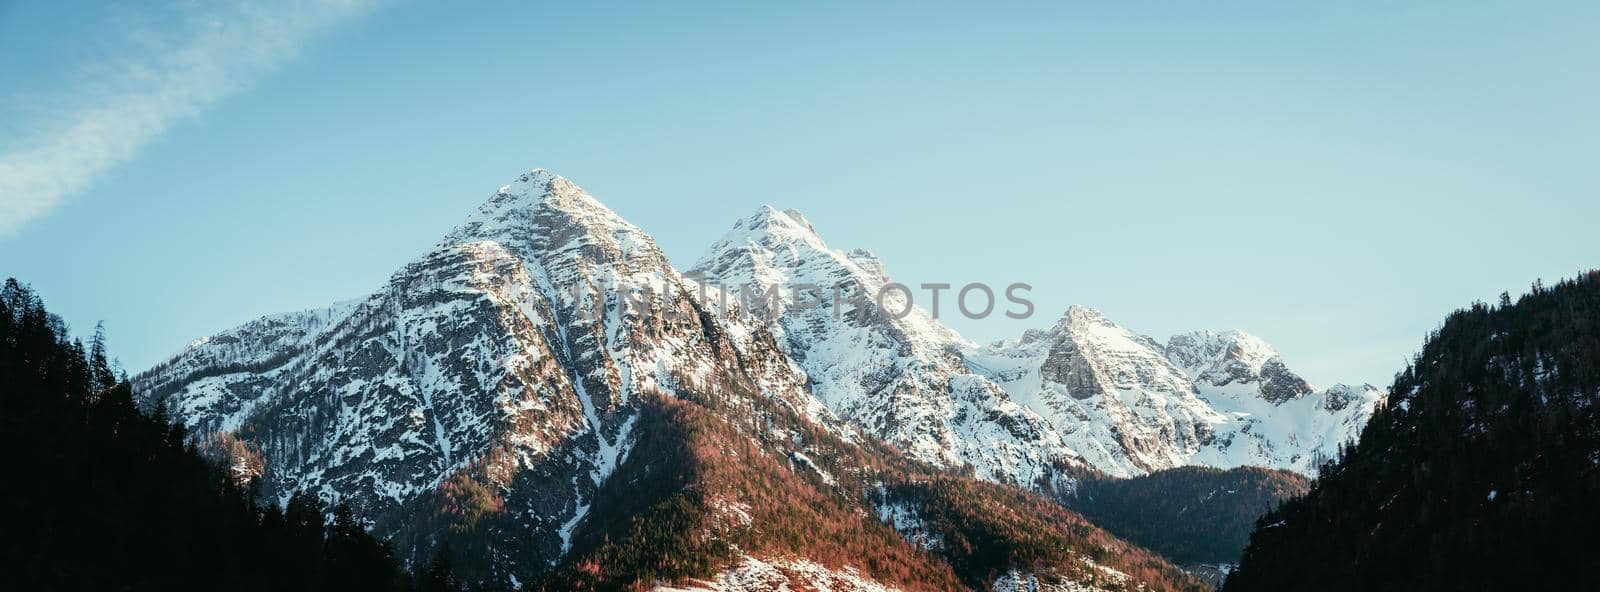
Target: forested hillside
{"type": "Point", "coordinates": [1483, 472]}
{"type": "Point", "coordinates": [103, 497]}
{"type": "Point", "coordinates": [714, 488]}
{"type": "Point", "coordinates": [1188, 514]}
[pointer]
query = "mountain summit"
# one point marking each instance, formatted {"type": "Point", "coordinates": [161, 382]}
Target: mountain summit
{"type": "Point", "coordinates": [542, 393]}
{"type": "Point", "coordinates": [500, 361]}
{"type": "Point", "coordinates": [1083, 393]}
{"type": "Point", "coordinates": [901, 378]}
{"type": "Point", "coordinates": [1131, 405]}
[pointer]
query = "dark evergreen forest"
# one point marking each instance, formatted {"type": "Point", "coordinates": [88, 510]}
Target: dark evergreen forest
{"type": "Point", "coordinates": [1188, 514]}
{"type": "Point", "coordinates": [1482, 473]}
{"type": "Point", "coordinates": [102, 496]}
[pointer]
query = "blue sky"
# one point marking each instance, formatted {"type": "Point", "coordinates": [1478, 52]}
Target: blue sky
{"type": "Point", "coordinates": [1332, 177]}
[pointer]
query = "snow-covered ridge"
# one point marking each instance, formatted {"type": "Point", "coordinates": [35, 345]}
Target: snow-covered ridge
{"type": "Point", "coordinates": [479, 360]}
{"type": "Point", "coordinates": [1229, 357]}
{"type": "Point", "coordinates": [900, 378]}
{"type": "Point", "coordinates": [505, 355]}
{"type": "Point", "coordinates": [1082, 392]}
{"type": "Point", "coordinates": [1131, 404]}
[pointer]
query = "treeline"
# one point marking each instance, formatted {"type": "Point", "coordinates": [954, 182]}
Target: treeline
{"type": "Point", "coordinates": [1483, 471]}
{"type": "Point", "coordinates": [101, 496]}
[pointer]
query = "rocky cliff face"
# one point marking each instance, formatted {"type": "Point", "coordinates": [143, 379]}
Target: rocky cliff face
{"type": "Point", "coordinates": [1233, 357]}
{"type": "Point", "coordinates": [508, 352]}
{"type": "Point", "coordinates": [1131, 405]}
{"type": "Point", "coordinates": [1082, 393]}
{"type": "Point", "coordinates": [900, 377]}
{"type": "Point", "coordinates": [544, 392]}
{"type": "Point", "coordinates": [1278, 419]}
{"type": "Point", "coordinates": [1109, 392]}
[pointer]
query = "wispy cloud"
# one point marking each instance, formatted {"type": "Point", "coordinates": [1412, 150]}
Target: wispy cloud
{"type": "Point", "coordinates": [202, 52]}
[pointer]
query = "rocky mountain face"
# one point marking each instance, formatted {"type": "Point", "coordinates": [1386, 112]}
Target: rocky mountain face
{"type": "Point", "coordinates": [1131, 405]}
{"type": "Point", "coordinates": [900, 378]}
{"type": "Point", "coordinates": [506, 350]}
{"type": "Point", "coordinates": [1109, 392]}
{"type": "Point", "coordinates": [545, 393]}
{"type": "Point", "coordinates": [1217, 360]}
{"type": "Point", "coordinates": [1277, 419]}
{"type": "Point", "coordinates": [1070, 407]}
{"type": "Point", "coordinates": [1084, 393]}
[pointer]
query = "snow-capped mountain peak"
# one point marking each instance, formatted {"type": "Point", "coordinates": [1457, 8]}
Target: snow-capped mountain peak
{"type": "Point", "coordinates": [1112, 356]}
{"type": "Point", "coordinates": [1130, 404]}
{"type": "Point", "coordinates": [1108, 391]}
{"type": "Point", "coordinates": [770, 226]}
{"type": "Point", "coordinates": [498, 384]}
{"type": "Point", "coordinates": [900, 377]}
{"type": "Point", "coordinates": [1078, 315]}
{"type": "Point", "coordinates": [542, 213]}
{"type": "Point", "coordinates": [1235, 357]}
{"type": "Point", "coordinates": [800, 219]}
{"type": "Point", "coordinates": [1085, 388]}
{"type": "Point", "coordinates": [482, 359]}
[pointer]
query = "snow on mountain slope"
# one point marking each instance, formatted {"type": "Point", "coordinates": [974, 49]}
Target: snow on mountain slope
{"type": "Point", "coordinates": [1109, 392]}
{"type": "Point", "coordinates": [1131, 405]}
{"type": "Point", "coordinates": [780, 575]}
{"type": "Point", "coordinates": [901, 379]}
{"type": "Point", "coordinates": [1235, 357]}
{"type": "Point", "coordinates": [1016, 581]}
{"type": "Point", "coordinates": [1084, 392]}
{"type": "Point", "coordinates": [496, 384]}
{"type": "Point", "coordinates": [777, 575]}
{"type": "Point", "coordinates": [507, 350]}
{"type": "Point", "coordinates": [1279, 419]}
{"type": "Point", "coordinates": [545, 394]}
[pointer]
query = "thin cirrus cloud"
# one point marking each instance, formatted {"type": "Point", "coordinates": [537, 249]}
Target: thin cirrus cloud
{"type": "Point", "coordinates": [161, 74]}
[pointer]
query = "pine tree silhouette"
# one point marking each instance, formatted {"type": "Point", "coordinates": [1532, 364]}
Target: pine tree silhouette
{"type": "Point", "coordinates": [118, 500]}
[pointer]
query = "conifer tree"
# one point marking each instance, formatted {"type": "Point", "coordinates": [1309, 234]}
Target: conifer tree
{"type": "Point", "coordinates": [438, 576]}
{"type": "Point", "coordinates": [101, 376]}
{"type": "Point", "coordinates": [118, 500]}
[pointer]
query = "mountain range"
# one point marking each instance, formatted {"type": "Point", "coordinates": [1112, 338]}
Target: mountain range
{"type": "Point", "coordinates": [547, 395]}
